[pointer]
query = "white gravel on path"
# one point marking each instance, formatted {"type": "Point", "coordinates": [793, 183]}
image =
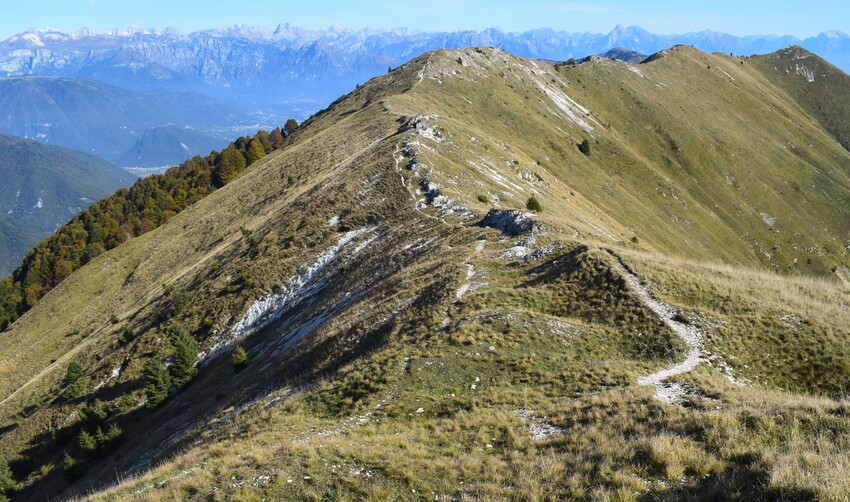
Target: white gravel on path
{"type": "Point", "coordinates": [691, 335]}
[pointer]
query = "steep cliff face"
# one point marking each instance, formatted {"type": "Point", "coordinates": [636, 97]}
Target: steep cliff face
{"type": "Point", "coordinates": [474, 276]}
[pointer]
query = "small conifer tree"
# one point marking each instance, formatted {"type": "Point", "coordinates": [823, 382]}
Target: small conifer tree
{"type": "Point", "coordinates": [533, 204]}
{"type": "Point", "coordinates": [75, 380]}
{"type": "Point", "coordinates": [157, 383]}
{"type": "Point", "coordinates": [71, 467]}
{"type": "Point", "coordinates": [7, 483]}
{"type": "Point", "coordinates": [238, 358]}
{"type": "Point", "coordinates": [87, 442]}
{"type": "Point", "coordinates": [185, 355]}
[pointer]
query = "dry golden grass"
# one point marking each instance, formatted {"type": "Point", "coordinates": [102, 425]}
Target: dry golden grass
{"type": "Point", "coordinates": [410, 386]}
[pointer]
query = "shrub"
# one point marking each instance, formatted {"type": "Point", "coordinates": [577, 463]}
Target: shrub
{"type": "Point", "coordinates": [584, 147]}
{"type": "Point", "coordinates": [99, 409]}
{"type": "Point", "coordinates": [533, 204]}
{"type": "Point", "coordinates": [125, 403]}
{"type": "Point", "coordinates": [71, 467]}
{"type": "Point", "coordinates": [73, 373]}
{"type": "Point", "coordinates": [238, 358]}
{"type": "Point", "coordinates": [127, 336]}
{"type": "Point", "coordinates": [179, 303]}
{"type": "Point", "coordinates": [105, 440]}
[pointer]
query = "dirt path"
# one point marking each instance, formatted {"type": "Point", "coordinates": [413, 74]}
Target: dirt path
{"type": "Point", "coordinates": [466, 286]}
{"type": "Point", "coordinates": [667, 391]}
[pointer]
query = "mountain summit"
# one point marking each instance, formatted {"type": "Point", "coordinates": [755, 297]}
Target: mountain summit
{"type": "Point", "coordinates": [474, 276]}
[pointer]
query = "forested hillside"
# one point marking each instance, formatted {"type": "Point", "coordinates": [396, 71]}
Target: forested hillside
{"type": "Point", "coordinates": [128, 213]}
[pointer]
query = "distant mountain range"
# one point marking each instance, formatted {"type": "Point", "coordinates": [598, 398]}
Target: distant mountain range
{"type": "Point", "coordinates": [43, 187]}
{"type": "Point", "coordinates": [113, 122]}
{"type": "Point", "coordinates": [252, 58]}
{"type": "Point", "coordinates": [225, 82]}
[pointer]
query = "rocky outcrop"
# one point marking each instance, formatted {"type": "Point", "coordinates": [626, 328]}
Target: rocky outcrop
{"type": "Point", "coordinates": [510, 221]}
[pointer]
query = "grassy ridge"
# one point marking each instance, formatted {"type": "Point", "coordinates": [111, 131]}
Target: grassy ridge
{"type": "Point", "coordinates": [819, 87]}
{"type": "Point", "coordinates": [436, 360]}
{"type": "Point", "coordinates": [736, 175]}
{"type": "Point", "coordinates": [513, 400]}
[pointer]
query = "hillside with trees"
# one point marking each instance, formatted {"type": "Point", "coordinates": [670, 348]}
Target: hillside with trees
{"type": "Point", "coordinates": [147, 204]}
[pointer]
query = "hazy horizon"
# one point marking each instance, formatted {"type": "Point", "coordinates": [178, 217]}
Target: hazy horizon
{"type": "Point", "coordinates": [735, 18]}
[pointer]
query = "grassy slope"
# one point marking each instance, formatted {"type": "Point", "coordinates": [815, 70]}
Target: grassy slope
{"type": "Point", "coordinates": [693, 177]}
{"type": "Point", "coordinates": [379, 401]}
{"type": "Point", "coordinates": [819, 87]}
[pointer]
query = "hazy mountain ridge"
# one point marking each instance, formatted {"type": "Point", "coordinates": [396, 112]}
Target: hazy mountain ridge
{"type": "Point", "coordinates": [240, 56]}
{"type": "Point", "coordinates": [409, 326]}
{"type": "Point", "coordinates": [231, 81]}
{"type": "Point", "coordinates": [162, 146]}
{"type": "Point", "coordinates": [43, 187]}
{"type": "Point", "coordinates": [106, 120]}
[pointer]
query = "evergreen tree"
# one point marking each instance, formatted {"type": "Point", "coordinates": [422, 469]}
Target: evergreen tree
{"type": "Point", "coordinates": [290, 127]}
{"type": "Point", "coordinates": [239, 358]}
{"type": "Point", "coordinates": [75, 380]}
{"type": "Point", "coordinates": [157, 383]}
{"type": "Point", "coordinates": [185, 355]}
{"type": "Point", "coordinates": [71, 467]}
{"type": "Point", "coordinates": [87, 442]}
{"type": "Point", "coordinates": [7, 484]}
{"type": "Point", "coordinates": [73, 373]}
{"type": "Point", "coordinates": [533, 204]}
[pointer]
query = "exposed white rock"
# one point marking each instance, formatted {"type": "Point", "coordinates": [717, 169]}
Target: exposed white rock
{"type": "Point", "coordinates": [571, 110]}
{"type": "Point", "coordinates": [273, 306]}
{"type": "Point", "coordinates": [803, 71]}
{"type": "Point", "coordinates": [538, 427]}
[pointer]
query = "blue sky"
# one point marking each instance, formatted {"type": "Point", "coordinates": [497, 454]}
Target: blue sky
{"type": "Point", "coordinates": [797, 18]}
